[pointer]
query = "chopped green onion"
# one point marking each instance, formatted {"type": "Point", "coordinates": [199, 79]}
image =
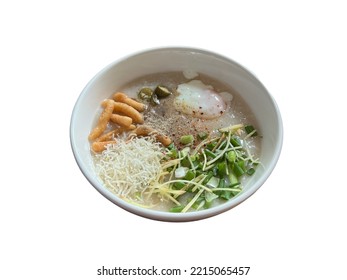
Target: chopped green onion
{"type": "Point", "coordinates": [208, 177]}
{"type": "Point", "coordinates": [173, 153]}
{"type": "Point", "coordinates": [199, 203]}
{"type": "Point", "coordinates": [213, 182]}
{"type": "Point", "coordinates": [226, 195]}
{"type": "Point", "coordinates": [202, 135]}
{"type": "Point", "coordinates": [233, 179]}
{"type": "Point", "coordinates": [190, 175]}
{"type": "Point", "coordinates": [237, 169]}
{"type": "Point", "coordinates": [209, 153]}
{"type": "Point", "coordinates": [211, 145]}
{"type": "Point", "coordinates": [235, 141]}
{"type": "Point", "coordinates": [177, 209]}
{"type": "Point", "coordinates": [185, 152]}
{"type": "Point", "coordinates": [221, 184]}
{"type": "Point", "coordinates": [231, 156]}
{"type": "Point", "coordinates": [179, 185]}
{"type": "Point", "coordinates": [186, 139]}
{"type": "Point", "coordinates": [209, 196]}
{"type": "Point", "coordinates": [171, 146]}
{"type": "Point", "coordinates": [250, 171]}
{"type": "Point", "coordinates": [241, 163]}
{"type": "Point", "coordinates": [185, 209]}
{"type": "Point", "coordinates": [222, 169]}
{"type": "Point", "coordinates": [180, 172]}
{"type": "Point", "coordinates": [185, 162]}
{"type": "Point", "coordinates": [234, 185]}
{"type": "Point", "coordinates": [251, 130]}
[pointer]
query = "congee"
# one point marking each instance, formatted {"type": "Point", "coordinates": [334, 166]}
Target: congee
{"type": "Point", "coordinates": [177, 141]}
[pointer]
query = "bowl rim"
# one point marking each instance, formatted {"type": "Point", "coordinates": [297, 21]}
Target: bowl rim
{"type": "Point", "coordinates": [168, 216]}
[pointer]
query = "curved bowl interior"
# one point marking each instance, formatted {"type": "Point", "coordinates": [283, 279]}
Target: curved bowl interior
{"type": "Point", "coordinates": [115, 75]}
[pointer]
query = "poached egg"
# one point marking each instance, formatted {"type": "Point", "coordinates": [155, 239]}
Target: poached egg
{"type": "Point", "coordinates": [199, 100]}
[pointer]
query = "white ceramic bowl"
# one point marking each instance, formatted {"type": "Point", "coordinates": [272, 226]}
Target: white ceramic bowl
{"type": "Point", "coordinates": [118, 73]}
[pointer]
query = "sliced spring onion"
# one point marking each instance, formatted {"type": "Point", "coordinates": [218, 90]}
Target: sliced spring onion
{"type": "Point", "coordinates": [179, 185]}
{"type": "Point", "coordinates": [185, 152]}
{"type": "Point", "coordinates": [213, 182]}
{"type": "Point", "coordinates": [235, 141]}
{"type": "Point", "coordinates": [210, 196]}
{"type": "Point", "coordinates": [233, 179]}
{"type": "Point", "coordinates": [202, 135]}
{"type": "Point", "coordinates": [185, 209]}
{"type": "Point", "coordinates": [231, 156]}
{"type": "Point", "coordinates": [190, 175]}
{"type": "Point", "coordinates": [222, 169]}
{"type": "Point", "coordinates": [251, 130]}
{"type": "Point", "coordinates": [237, 169]}
{"type": "Point", "coordinates": [177, 209]}
{"type": "Point", "coordinates": [250, 171]}
{"type": "Point", "coordinates": [209, 153]}
{"type": "Point", "coordinates": [181, 172]}
{"type": "Point", "coordinates": [187, 139]}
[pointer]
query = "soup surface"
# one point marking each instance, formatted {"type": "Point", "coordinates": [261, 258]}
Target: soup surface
{"type": "Point", "coordinates": [191, 146]}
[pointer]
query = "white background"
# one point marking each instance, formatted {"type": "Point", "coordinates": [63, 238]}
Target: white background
{"type": "Point", "coordinates": [55, 225]}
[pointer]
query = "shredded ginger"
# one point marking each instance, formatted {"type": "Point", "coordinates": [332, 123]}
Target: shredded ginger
{"type": "Point", "coordinates": [128, 168]}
